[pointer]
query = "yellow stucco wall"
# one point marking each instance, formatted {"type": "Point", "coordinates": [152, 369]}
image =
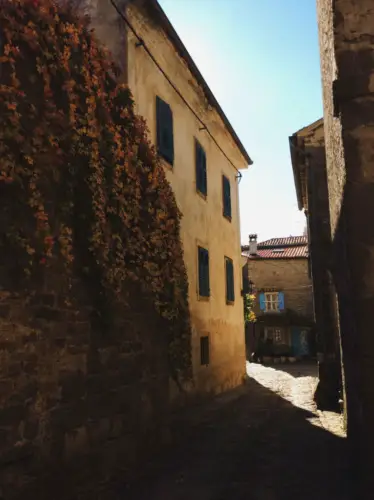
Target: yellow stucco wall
{"type": "Point", "coordinates": [203, 223]}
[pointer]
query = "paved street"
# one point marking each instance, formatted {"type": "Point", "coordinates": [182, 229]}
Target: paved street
{"type": "Point", "coordinates": [265, 441]}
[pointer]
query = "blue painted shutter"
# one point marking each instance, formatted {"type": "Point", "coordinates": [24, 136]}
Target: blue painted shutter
{"type": "Point", "coordinates": [201, 175]}
{"type": "Point", "coordinates": [262, 301]}
{"type": "Point", "coordinates": [226, 193]}
{"type": "Point", "coordinates": [203, 257]}
{"type": "Point", "coordinates": [165, 139]}
{"type": "Point", "coordinates": [281, 301]}
{"type": "Point", "coordinates": [230, 292]}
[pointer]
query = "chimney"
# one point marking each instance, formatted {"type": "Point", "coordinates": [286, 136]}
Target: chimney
{"type": "Point", "coordinates": [252, 244]}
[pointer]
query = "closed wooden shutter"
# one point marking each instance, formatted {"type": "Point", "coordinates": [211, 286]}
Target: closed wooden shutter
{"type": "Point", "coordinates": [164, 123]}
{"type": "Point", "coordinates": [230, 292]}
{"type": "Point", "coordinates": [203, 256]}
{"type": "Point", "coordinates": [201, 174]}
{"type": "Point", "coordinates": [262, 302]}
{"type": "Point", "coordinates": [204, 351]}
{"type": "Point", "coordinates": [226, 194]}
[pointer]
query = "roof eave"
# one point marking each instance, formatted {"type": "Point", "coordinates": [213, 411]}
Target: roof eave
{"type": "Point", "coordinates": [199, 77]}
{"type": "Point", "coordinates": [295, 168]}
{"type": "Point", "coordinates": [309, 129]}
{"type": "Point", "coordinates": [278, 258]}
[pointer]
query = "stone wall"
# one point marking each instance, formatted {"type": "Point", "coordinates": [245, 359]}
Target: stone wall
{"type": "Point", "coordinates": [312, 145]}
{"type": "Point", "coordinates": [290, 275]}
{"type": "Point", "coordinates": [76, 406]}
{"type": "Point", "coordinates": [347, 42]}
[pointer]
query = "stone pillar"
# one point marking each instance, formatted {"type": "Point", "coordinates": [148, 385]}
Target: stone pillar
{"type": "Point", "coordinates": [319, 233]}
{"type": "Point", "coordinates": [346, 32]}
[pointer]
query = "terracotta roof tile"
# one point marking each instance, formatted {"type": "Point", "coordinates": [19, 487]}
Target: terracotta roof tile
{"type": "Point", "coordinates": [288, 241]}
{"type": "Point", "coordinates": [292, 247]}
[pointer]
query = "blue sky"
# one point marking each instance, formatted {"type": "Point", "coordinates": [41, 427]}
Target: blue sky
{"type": "Point", "coordinates": [261, 60]}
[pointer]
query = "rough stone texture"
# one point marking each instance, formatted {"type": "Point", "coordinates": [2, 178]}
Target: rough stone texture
{"type": "Point", "coordinates": [265, 441]}
{"type": "Point", "coordinates": [292, 277]}
{"type": "Point", "coordinates": [309, 164]}
{"type": "Point", "coordinates": [347, 42]}
{"type": "Point", "coordinates": [111, 28]}
{"type": "Point", "coordinates": [76, 406]}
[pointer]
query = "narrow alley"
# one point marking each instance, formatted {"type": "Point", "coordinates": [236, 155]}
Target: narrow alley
{"type": "Point", "coordinates": [264, 441]}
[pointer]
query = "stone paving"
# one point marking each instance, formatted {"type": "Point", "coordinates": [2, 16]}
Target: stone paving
{"type": "Point", "coordinates": [263, 441]}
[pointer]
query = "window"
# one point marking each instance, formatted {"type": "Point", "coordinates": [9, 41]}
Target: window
{"type": "Point", "coordinates": [272, 301]}
{"type": "Point", "coordinates": [229, 268]}
{"type": "Point", "coordinates": [203, 258]}
{"type": "Point", "coordinates": [275, 334]}
{"type": "Point", "coordinates": [164, 123]}
{"type": "Point", "coordinates": [200, 162]}
{"type": "Point", "coordinates": [226, 197]}
{"type": "Point", "coordinates": [204, 351]}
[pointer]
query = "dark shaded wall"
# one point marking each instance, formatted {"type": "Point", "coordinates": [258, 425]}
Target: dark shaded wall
{"type": "Point", "coordinates": [346, 32]}
{"type": "Point", "coordinates": [76, 406]}
{"type": "Point", "coordinates": [319, 231]}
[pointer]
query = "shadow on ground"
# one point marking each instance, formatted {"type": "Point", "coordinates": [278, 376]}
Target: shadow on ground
{"type": "Point", "coordinates": [304, 369]}
{"type": "Point", "coordinates": [248, 444]}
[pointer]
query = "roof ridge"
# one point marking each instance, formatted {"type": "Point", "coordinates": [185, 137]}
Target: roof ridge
{"type": "Point", "coordinates": [301, 239]}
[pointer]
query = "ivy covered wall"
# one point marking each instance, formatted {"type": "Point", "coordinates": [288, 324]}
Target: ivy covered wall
{"type": "Point", "coordinates": [93, 287]}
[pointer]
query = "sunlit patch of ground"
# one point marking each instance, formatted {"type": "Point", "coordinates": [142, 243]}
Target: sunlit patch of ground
{"type": "Point", "coordinates": [296, 384]}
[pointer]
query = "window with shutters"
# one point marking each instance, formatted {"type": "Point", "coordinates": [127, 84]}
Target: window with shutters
{"type": "Point", "coordinates": [203, 259]}
{"type": "Point", "coordinates": [201, 174]}
{"type": "Point", "coordinates": [226, 197]}
{"type": "Point", "coordinates": [204, 351]}
{"type": "Point", "coordinates": [164, 123]}
{"type": "Point", "coordinates": [272, 302]}
{"type": "Point", "coordinates": [229, 271]}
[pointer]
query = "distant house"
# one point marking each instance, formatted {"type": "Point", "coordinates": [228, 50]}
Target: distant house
{"type": "Point", "coordinates": [277, 271]}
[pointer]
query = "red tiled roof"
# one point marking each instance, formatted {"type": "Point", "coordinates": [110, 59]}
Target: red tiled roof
{"type": "Point", "coordinates": [292, 247]}
{"type": "Point", "coordinates": [284, 242]}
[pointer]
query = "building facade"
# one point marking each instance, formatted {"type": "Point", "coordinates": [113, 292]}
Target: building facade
{"type": "Point", "coordinates": [202, 157]}
{"type": "Point", "coordinates": [278, 270]}
{"type": "Point", "coordinates": [307, 148]}
{"type": "Point", "coordinates": [346, 35]}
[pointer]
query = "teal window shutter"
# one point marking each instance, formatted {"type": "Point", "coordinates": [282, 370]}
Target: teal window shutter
{"type": "Point", "coordinates": [226, 195]}
{"type": "Point", "coordinates": [164, 124]}
{"type": "Point", "coordinates": [281, 301]}
{"type": "Point", "coordinates": [230, 292]}
{"type": "Point", "coordinates": [204, 351]}
{"type": "Point", "coordinates": [201, 174]}
{"type": "Point", "coordinates": [262, 302]}
{"type": "Point", "coordinates": [203, 258]}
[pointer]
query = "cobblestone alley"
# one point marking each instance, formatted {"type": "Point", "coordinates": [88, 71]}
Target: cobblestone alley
{"type": "Point", "coordinates": [264, 441]}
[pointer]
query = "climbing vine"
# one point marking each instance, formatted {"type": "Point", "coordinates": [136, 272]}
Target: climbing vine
{"type": "Point", "coordinates": [88, 185]}
{"type": "Point", "coordinates": [249, 303]}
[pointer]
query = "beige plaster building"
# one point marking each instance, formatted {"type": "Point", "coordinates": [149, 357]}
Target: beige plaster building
{"type": "Point", "coordinates": [202, 156]}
